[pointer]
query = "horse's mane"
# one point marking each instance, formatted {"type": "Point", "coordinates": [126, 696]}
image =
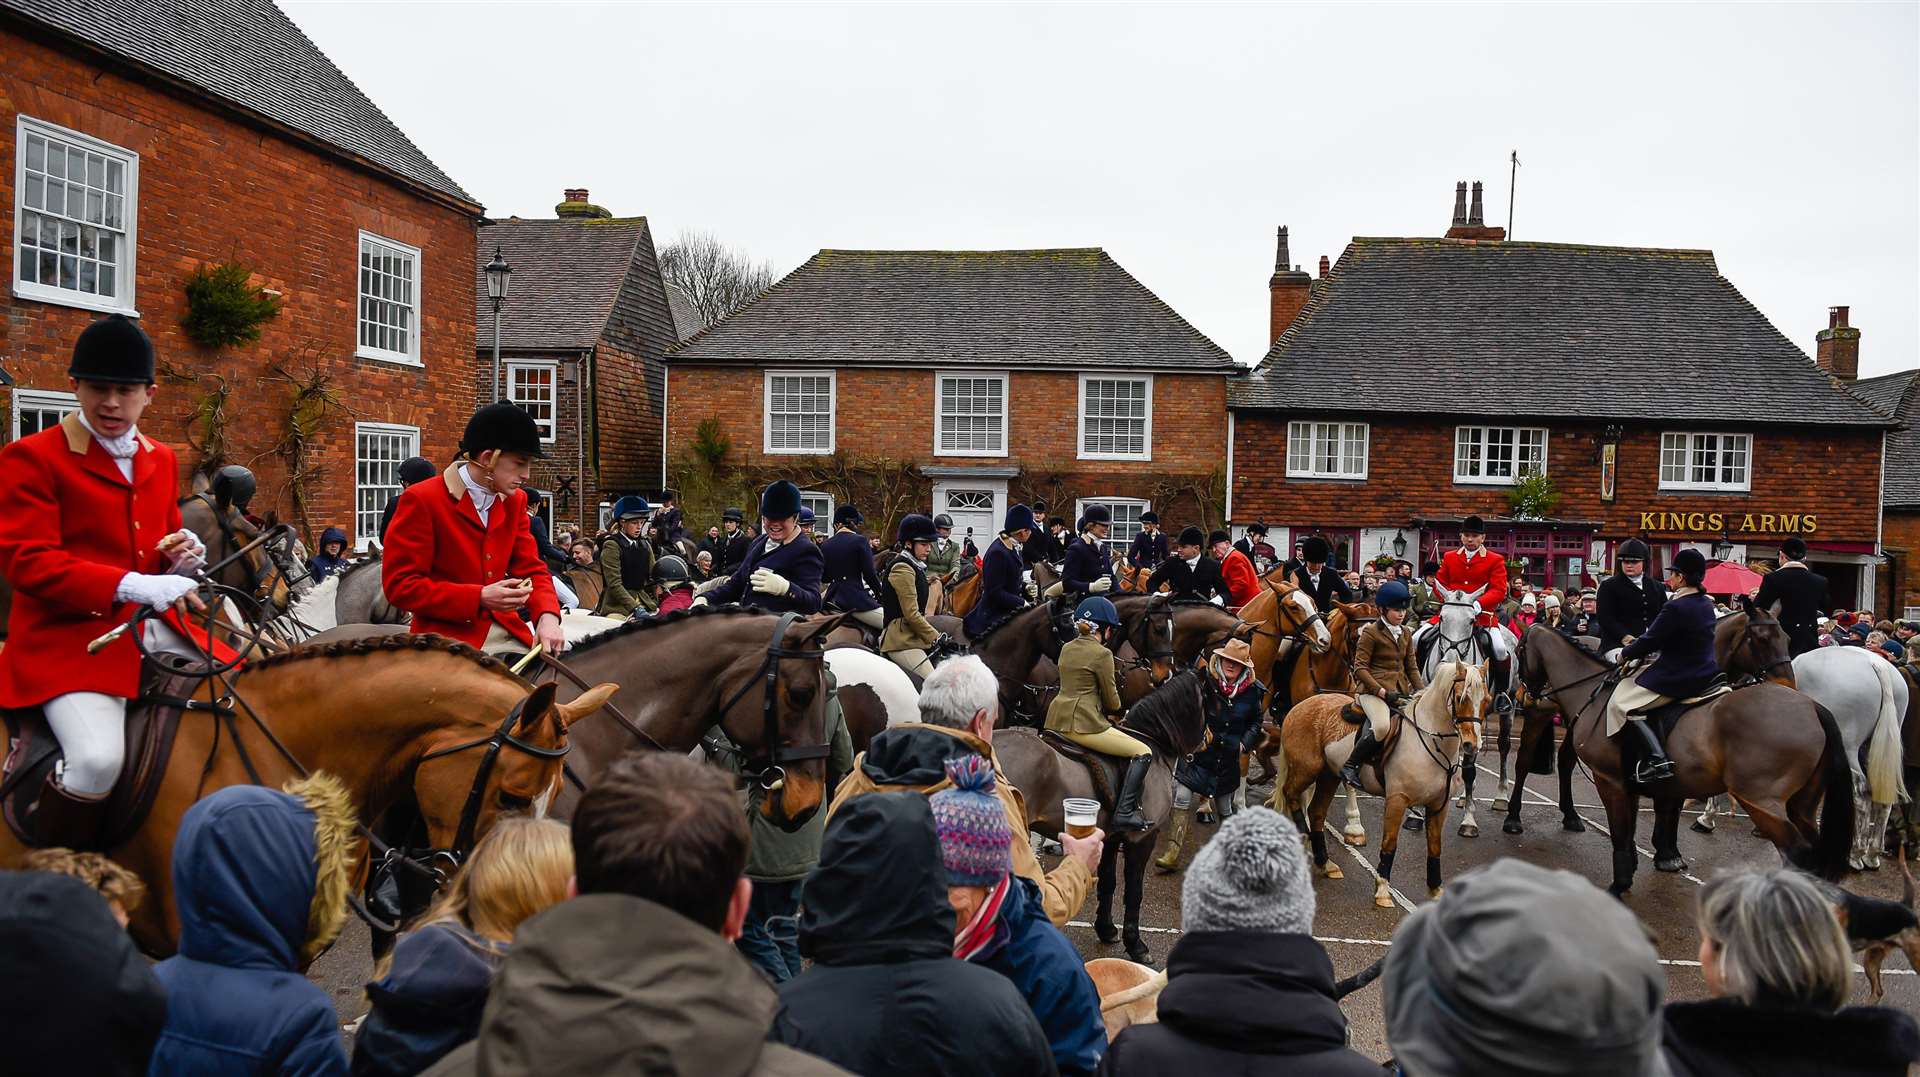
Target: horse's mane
{"type": "Point", "coordinates": [385, 644]}
{"type": "Point", "coordinates": [1570, 641]}
{"type": "Point", "coordinates": [1171, 713]}
{"type": "Point", "coordinates": [975, 639]}
{"type": "Point", "coordinates": [644, 624]}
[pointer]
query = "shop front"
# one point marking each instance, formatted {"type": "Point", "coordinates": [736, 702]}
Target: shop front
{"type": "Point", "coordinates": [1545, 552]}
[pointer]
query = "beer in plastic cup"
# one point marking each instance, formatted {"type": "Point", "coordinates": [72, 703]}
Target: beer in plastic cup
{"type": "Point", "coordinates": [1082, 816]}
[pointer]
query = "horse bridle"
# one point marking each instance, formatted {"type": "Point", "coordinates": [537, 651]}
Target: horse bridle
{"type": "Point", "coordinates": [501, 737]}
{"type": "Point", "coordinates": [1754, 620]}
{"type": "Point", "coordinates": [1151, 646]}
{"type": "Point", "coordinates": [765, 767]}
{"type": "Point", "coordinates": [1299, 631]}
{"type": "Point", "coordinates": [268, 538]}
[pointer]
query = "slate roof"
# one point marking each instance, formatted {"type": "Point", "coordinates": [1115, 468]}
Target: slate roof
{"type": "Point", "coordinates": [248, 54]}
{"type": "Point", "coordinates": [686, 320]}
{"type": "Point", "coordinates": [567, 273]}
{"type": "Point", "coordinates": [1540, 330]}
{"type": "Point", "coordinates": [1069, 307]}
{"type": "Point", "coordinates": [1899, 396]}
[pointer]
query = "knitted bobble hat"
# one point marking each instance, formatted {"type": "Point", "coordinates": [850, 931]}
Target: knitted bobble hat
{"type": "Point", "coordinates": [975, 841]}
{"type": "Point", "coordinates": [1251, 877]}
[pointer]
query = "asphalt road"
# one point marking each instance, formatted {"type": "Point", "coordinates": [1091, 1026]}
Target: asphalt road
{"type": "Point", "coordinates": [1356, 933]}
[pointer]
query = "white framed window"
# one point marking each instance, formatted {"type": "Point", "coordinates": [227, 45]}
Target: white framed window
{"type": "Point", "coordinates": [532, 386]}
{"type": "Point", "coordinates": [74, 203]}
{"type": "Point", "coordinates": [1326, 450]}
{"type": "Point", "coordinates": [821, 503]}
{"type": "Point", "coordinates": [378, 451]}
{"type": "Point", "coordinates": [1498, 455]}
{"type": "Point", "coordinates": [1116, 417]}
{"type": "Point", "coordinates": [799, 412]}
{"type": "Point", "coordinates": [1126, 518]}
{"type": "Point", "coordinates": [389, 300]}
{"type": "Point", "coordinates": [1702, 461]}
{"type": "Point", "coordinates": [35, 410]}
{"type": "Point", "coordinates": [970, 415]}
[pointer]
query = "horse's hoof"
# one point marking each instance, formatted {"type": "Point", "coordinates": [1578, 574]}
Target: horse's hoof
{"type": "Point", "coordinates": [1674, 863]}
{"type": "Point", "coordinates": [1138, 953]}
{"type": "Point", "coordinates": [1512, 826]}
{"type": "Point", "coordinates": [1383, 901]}
{"type": "Point", "coordinates": [1499, 803]}
{"type": "Point", "coordinates": [1573, 824]}
{"type": "Point", "coordinates": [1355, 837]}
{"type": "Point", "coordinates": [1618, 891]}
{"type": "Point", "coordinates": [1856, 863]}
{"type": "Point", "coordinates": [1414, 822]}
{"type": "Point", "coordinates": [1332, 870]}
{"type": "Point", "coordinates": [1873, 863]}
{"type": "Point", "coordinates": [1436, 892]}
{"type": "Point", "coordinates": [1699, 827]}
{"type": "Point", "coordinates": [1469, 830]}
{"type": "Point", "coordinates": [1106, 933]}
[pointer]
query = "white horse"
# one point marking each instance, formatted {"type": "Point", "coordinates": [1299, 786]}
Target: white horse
{"type": "Point", "coordinates": [1868, 698]}
{"type": "Point", "coordinates": [1458, 642]}
{"type": "Point", "coordinates": [857, 665]}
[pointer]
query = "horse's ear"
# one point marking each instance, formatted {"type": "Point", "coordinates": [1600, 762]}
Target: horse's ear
{"type": "Point", "coordinates": [1775, 609]}
{"type": "Point", "coordinates": [198, 483]}
{"type": "Point", "coordinates": [1746, 605]}
{"type": "Point", "coordinates": [586, 703]}
{"type": "Point", "coordinates": [1244, 631]}
{"type": "Point", "coordinates": [535, 707]}
{"type": "Point", "coordinates": [817, 630]}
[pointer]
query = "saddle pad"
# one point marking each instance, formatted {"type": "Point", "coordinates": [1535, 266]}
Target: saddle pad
{"type": "Point", "coordinates": [1100, 768]}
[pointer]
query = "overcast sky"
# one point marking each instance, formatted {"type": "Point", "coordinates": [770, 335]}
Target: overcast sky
{"type": "Point", "coordinates": [1786, 138]}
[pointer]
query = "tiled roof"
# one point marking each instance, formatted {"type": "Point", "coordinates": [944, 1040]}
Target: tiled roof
{"type": "Point", "coordinates": [1899, 396]}
{"type": "Point", "coordinates": [566, 275]}
{"type": "Point", "coordinates": [246, 53]}
{"type": "Point", "coordinates": [1036, 308]}
{"type": "Point", "coordinates": [1540, 330]}
{"type": "Point", "coordinates": [686, 320]}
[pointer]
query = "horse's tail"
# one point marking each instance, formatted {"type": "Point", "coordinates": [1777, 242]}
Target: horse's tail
{"type": "Point", "coordinates": [1883, 744]}
{"type": "Point", "coordinates": [1836, 804]}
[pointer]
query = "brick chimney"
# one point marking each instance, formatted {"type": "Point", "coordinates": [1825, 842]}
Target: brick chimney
{"type": "Point", "coordinates": [1836, 348]}
{"type": "Point", "coordinates": [1289, 288]}
{"type": "Point", "coordinates": [1323, 267]}
{"type": "Point", "coordinates": [1470, 222]}
{"type": "Point", "coordinates": [577, 204]}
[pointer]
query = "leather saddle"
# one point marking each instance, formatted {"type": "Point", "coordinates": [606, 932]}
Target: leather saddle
{"type": "Point", "coordinates": [153, 722]}
{"type": "Point", "coordinates": [1103, 769]}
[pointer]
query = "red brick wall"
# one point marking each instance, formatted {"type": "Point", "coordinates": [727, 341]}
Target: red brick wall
{"type": "Point", "coordinates": [1830, 474]}
{"type": "Point", "coordinates": [213, 189]}
{"type": "Point", "coordinates": [1899, 586]}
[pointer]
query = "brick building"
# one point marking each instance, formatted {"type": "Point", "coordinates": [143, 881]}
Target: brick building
{"type": "Point", "coordinates": [1417, 380]}
{"type": "Point", "coordinates": [963, 381]}
{"type": "Point", "coordinates": [581, 337]}
{"type": "Point", "coordinates": [1899, 396]}
{"type": "Point", "coordinates": [143, 140]}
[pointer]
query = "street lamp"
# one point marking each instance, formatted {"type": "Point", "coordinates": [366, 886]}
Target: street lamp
{"type": "Point", "coordinates": [1723, 549]}
{"type": "Point", "coordinates": [1399, 545]}
{"type": "Point", "coordinates": [499, 282]}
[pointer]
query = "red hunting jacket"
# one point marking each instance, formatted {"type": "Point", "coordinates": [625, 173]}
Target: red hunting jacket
{"type": "Point", "coordinates": [70, 527]}
{"type": "Point", "coordinates": [1460, 573]}
{"type": "Point", "coordinates": [438, 557]}
{"type": "Point", "coordinates": [1243, 583]}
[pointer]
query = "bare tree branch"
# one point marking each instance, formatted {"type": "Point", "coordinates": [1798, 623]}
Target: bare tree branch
{"type": "Point", "coordinates": [716, 279]}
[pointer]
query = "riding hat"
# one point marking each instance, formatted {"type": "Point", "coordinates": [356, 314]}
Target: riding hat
{"type": "Point", "coordinates": [1095, 514]}
{"type": "Point", "coordinates": [416, 469]}
{"type": "Point", "coordinates": [671, 569]}
{"type": "Point", "coordinates": [1019, 518]}
{"type": "Point", "coordinates": [915, 527]}
{"type": "Point", "coordinates": [1218, 535]}
{"type": "Point", "coordinates": [668, 495]}
{"type": "Point", "coordinates": [113, 350]}
{"type": "Point", "coordinates": [847, 514]}
{"type": "Point", "coordinates": [1097, 610]}
{"type": "Point", "coordinates": [806, 518]}
{"type": "Point", "coordinates": [1691, 564]}
{"type": "Point", "coordinates": [1235, 650]}
{"type": "Point", "coordinates": [1192, 536]}
{"type": "Point", "coordinates": [1149, 517]}
{"type": "Point", "coordinates": [943, 520]}
{"type": "Point", "coordinates": [1257, 528]}
{"type": "Point", "coordinates": [234, 485]}
{"type": "Point", "coordinates": [735, 515]}
{"type": "Point", "coordinates": [780, 501]}
{"type": "Point", "coordinates": [1632, 550]}
{"type": "Point", "coordinates": [503, 426]}
{"type": "Point", "coordinates": [1793, 549]}
{"type": "Point", "coordinates": [631, 508]}
{"type": "Point", "coordinates": [1039, 507]}
{"type": "Point", "coordinates": [1315, 550]}
{"type": "Point", "coordinates": [1393, 595]}
{"type": "Point", "coordinates": [1473, 525]}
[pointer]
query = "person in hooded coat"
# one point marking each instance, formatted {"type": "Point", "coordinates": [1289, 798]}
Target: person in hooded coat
{"type": "Point", "coordinates": [885, 995]}
{"type": "Point", "coordinates": [78, 996]}
{"type": "Point", "coordinates": [260, 879]}
{"type": "Point", "coordinates": [332, 556]}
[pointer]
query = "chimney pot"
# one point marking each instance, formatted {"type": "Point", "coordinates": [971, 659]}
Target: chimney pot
{"type": "Point", "coordinates": [1280, 255]}
{"type": "Point", "coordinates": [1460, 202]}
{"type": "Point", "coordinates": [1475, 216]}
{"type": "Point", "coordinates": [1323, 265]}
{"type": "Point", "coordinates": [575, 194]}
{"type": "Point", "coordinates": [1836, 317]}
{"type": "Point", "coordinates": [1288, 289]}
{"type": "Point", "coordinates": [1836, 348]}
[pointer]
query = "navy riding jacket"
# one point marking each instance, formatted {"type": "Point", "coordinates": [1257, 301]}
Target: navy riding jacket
{"type": "Point", "coordinates": [851, 581]}
{"type": "Point", "coordinates": [798, 560]}
{"type": "Point", "coordinates": [1000, 591]}
{"type": "Point", "coordinates": [1683, 634]}
{"type": "Point", "coordinates": [1147, 550]}
{"type": "Point", "coordinates": [1086, 562]}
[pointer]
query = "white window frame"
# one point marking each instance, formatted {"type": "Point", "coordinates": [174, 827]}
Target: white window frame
{"type": "Point", "coordinates": [1691, 445]}
{"type": "Point", "coordinates": [552, 368]}
{"type": "Point", "coordinates": [1520, 466]}
{"type": "Point", "coordinates": [124, 267]}
{"type": "Point", "coordinates": [1115, 540]}
{"type": "Point", "coordinates": [412, 434]}
{"type": "Point", "coordinates": [41, 400]}
{"type": "Point", "coordinates": [822, 518]}
{"type": "Point", "coordinates": [766, 411]}
{"type": "Point", "coordinates": [1080, 424]}
{"type": "Point", "coordinates": [410, 357]}
{"type": "Point", "coordinates": [940, 378]}
{"type": "Point", "coordinates": [1314, 427]}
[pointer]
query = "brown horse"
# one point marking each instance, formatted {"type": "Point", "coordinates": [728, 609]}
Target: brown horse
{"type": "Point", "coordinates": [393, 718]}
{"type": "Point", "coordinates": [960, 601]}
{"type": "Point", "coordinates": [1779, 753]}
{"type": "Point", "coordinates": [1418, 766]}
{"type": "Point", "coordinates": [265, 571]}
{"type": "Point", "coordinates": [1173, 635]}
{"type": "Point", "coordinates": [1310, 670]}
{"type": "Point", "coordinates": [1172, 721]}
{"type": "Point", "coordinates": [1282, 615]}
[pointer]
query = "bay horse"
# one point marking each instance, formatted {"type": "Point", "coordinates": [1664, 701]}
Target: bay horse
{"type": "Point", "coordinates": [394, 718]}
{"type": "Point", "coordinates": [960, 600]}
{"type": "Point", "coordinates": [1173, 635]}
{"type": "Point", "coordinates": [1309, 673]}
{"type": "Point", "coordinates": [1777, 752]}
{"type": "Point", "coordinates": [1171, 721]}
{"type": "Point", "coordinates": [1418, 765]}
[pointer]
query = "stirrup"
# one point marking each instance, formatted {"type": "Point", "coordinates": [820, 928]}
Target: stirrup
{"type": "Point", "coordinates": [1648, 771]}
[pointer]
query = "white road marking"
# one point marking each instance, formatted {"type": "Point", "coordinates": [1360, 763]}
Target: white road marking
{"type": "Point", "coordinates": [1602, 828]}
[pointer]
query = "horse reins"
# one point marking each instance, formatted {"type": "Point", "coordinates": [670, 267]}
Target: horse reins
{"type": "Point", "coordinates": [766, 768]}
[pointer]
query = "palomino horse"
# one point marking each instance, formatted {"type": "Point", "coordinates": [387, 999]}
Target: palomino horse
{"type": "Point", "coordinates": [395, 718]}
{"type": "Point", "coordinates": [1419, 765]}
{"type": "Point", "coordinates": [1310, 672]}
{"type": "Point", "coordinates": [1778, 752]}
{"type": "Point", "coordinates": [1172, 721]}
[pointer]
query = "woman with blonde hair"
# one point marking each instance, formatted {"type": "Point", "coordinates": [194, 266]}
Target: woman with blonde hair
{"type": "Point", "coordinates": [429, 997]}
{"type": "Point", "coordinates": [1779, 966]}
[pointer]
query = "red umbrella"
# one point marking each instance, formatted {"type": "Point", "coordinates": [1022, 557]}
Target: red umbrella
{"type": "Point", "coordinates": [1730, 578]}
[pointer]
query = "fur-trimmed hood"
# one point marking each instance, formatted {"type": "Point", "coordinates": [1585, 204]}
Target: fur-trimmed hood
{"type": "Point", "coordinates": [261, 877]}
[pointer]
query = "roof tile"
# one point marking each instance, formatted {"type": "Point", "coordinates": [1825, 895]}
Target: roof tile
{"type": "Point", "coordinates": [566, 275]}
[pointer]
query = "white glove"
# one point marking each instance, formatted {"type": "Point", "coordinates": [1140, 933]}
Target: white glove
{"type": "Point", "coordinates": [768, 582]}
{"type": "Point", "coordinates": [698, 602]}
{"type": "Point", "coordinates": [1033, 593]}
{"type": "Point", "coordinates": [708, 585]}
{"type": "Point", "coordinates": [160, 592]}
{"type": "Point", "coordinates": [1101, 586]}
{"type": "Point", "coordinates": [189, 557]}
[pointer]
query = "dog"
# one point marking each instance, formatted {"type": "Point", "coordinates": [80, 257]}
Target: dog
{"type": "Point", "coordinates": [1876, 927]}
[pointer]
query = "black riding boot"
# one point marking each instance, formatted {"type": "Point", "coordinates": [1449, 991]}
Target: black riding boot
{"type": "Point", "coordinates": [1502, 684]}
{"type": "Point", "coordinates": [1366, 749]}
{"type": "Point", "coordinates": [65, 818]}
{"type": "Point", "coordinates": [1126, 813]}
{"type": "Point", "coordinates": [1654, 765]}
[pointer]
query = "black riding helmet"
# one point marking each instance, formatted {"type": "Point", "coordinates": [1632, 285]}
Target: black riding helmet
{"type": "Point", "coordinates": [916, 528]}
{"type": "Point", "coordinates": [943, 520]}
{"type": "Point", "coordinates": [671, 569]}
{"type": "Point", "coordinates": [416, 469]}
{"type": "Point", "coordinates": [504, 427]}
{"type": "Point", "coordinates": [113, 350]}
{"type": "Point", "coordinates": [234, 485]}
{"type": "Point", "coordinates": [1632, 550]}
{"type": "Point", "coordinates": [1691, 565]}
{"type": "Point", "coordinates": [1191, 536]}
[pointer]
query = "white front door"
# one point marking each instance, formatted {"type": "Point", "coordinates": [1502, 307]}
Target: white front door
{"type": "Point", "coordinates": [977, 508]}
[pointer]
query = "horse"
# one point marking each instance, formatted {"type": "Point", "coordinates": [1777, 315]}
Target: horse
{"type": "Point", "coordinates": [1308, 674]}
{"type": "Point", "coordinates": [1779, 753]}
{"type": "Point", "coordinates": [1011, 648]}
{"type": "Point", "coordinates": [266, 571]}
{"type": "Point", "coordinates": [1168, 635]}
{"type": "Point", "coordinates": [1172, 721]}
{"type": "Point", "coordinates": [958, 602]}
{"type": "Point", "coordinates": [1455, 637]}
{"type": "Point", "coordinates": [416, 719]}
{"type": "Point", "coordinates": [874, 693]}
{"type": "Point", "coordinates": [1418, 766]}
{"type": "Point", "coordinates": [1282, 613]}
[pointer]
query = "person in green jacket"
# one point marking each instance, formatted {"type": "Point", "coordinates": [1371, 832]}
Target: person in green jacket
{"type": "Point", "coordinates": [1089, 694]}
{"type": "Point", "coordinates": [626, 562]}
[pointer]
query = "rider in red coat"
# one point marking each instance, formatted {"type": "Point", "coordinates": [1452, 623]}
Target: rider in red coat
{"type": "Point", "coordinates": [1473, 565]}
{"type": "Point", "coordinates": [1243, 583]}
{"type": "Point", "coordinates": [89, 530]}
{"type": "Point", "coordinates": [459, 556]}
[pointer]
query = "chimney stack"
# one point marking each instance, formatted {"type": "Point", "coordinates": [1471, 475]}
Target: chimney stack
{"type": "Point", "coordinates": [1323, 267]}
{"type": "Point", "coordinates": [1471, 223]}
{"type": "Point", "coordinates": [1836, 348]}
{"type": "Point", "coordinates": [1460, 204]}
{"type": "Point", "coordinates": [576, 204]}
{"type": "Point", "coordinates": [1475, 216]}
{"type": "Point", "coordinates": [1288, 288]}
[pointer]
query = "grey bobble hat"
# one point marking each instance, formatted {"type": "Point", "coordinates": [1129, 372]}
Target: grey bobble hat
{"type": "Point", "coordinates": [1251, 877]}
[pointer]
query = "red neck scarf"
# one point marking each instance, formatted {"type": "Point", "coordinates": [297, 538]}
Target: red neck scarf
{"type": "Point", "coordinates": [979, 931]}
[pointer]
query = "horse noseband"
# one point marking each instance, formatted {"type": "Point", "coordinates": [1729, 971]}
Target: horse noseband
{"type": "Point", "coordinates": [502, 737]}
{"type": "Point", "coordinates": [765, 768]}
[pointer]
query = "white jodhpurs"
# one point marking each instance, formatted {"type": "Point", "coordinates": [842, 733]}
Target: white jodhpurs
{"type": "Point", "coordinates": [913, 660]}
{"type": "Point", "coordinates": [875, 619]}
{"type": "Point", "coordinates": [92, 727]}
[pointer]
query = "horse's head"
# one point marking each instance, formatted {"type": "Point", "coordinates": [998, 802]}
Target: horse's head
{"type": "Point", "coordinates": [786, 738]}
{"type": "Point", "coordinates": [1467, 700]}
{"type": "Point", "coordinates": [261, 569]}
{"type": "Point", "coordinates": [1752, 643]}
{"type": "Point", "coordinates": [1346, 621]}
{"type": "Point", "coordinates": [1293, 609]}
{"type": "Point", "coordinates": [1152, 638]}
{"type": "Point", "coordinates": [1174, 715]}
